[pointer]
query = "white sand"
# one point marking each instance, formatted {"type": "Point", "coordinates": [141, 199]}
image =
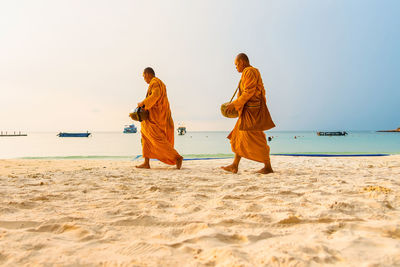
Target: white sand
{"type": "Point", "coordinates": [311, 211]}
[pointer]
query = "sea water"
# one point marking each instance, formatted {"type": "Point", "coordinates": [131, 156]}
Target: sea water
{"type": "Point", "coordinates": [116, 145]}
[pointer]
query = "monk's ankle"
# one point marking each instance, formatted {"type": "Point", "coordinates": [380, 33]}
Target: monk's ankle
{"type": "Point", "coordinates": [143, 166]}
{"type": "Point", "coordinates": [265, 170]}
{"type": "Point", "coordinates": [179, 163]}
{"type": "Point", "coordinates": [231, 168]}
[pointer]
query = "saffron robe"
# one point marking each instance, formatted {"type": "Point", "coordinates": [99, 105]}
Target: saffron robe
{"type": "Point", "coordinates": [158, 131]}
{"type": "Point", "coordinates": [250, 144]}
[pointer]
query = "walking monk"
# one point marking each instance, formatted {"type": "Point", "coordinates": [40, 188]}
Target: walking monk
{"type": "Point", "coordinates": [247, 138]}
{"type": "Point", "coordinates": [158, 131]}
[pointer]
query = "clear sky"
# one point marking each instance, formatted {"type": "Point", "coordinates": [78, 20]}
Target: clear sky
{"type": "Point", "coordinates": [77, 65]}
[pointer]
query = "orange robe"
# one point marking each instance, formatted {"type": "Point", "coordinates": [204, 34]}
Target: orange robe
{"type": "Point", "coordinates": [158, 131]}
{"type": "Point", "coordinates": [250, 144]}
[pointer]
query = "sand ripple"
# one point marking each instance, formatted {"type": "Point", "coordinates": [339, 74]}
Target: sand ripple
{"type": "Point", "coordinates": [310, 212]}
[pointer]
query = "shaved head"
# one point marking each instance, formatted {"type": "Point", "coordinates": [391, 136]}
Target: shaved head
{"type": "Point", "coordinates": [148, 74]}
{"type": "Point", "coordinates": [150, 71]}
{"type": "Point", "coordinates": [243, 57]}
{"type": "Point", "coordinates": [241, 62]}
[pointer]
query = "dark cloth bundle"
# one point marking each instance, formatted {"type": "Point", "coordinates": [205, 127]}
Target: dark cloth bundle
{"type": "Point", "coordinates": [139, 114]}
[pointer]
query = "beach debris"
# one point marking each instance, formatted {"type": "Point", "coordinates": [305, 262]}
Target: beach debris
{"type": "Point", "coordinates": [290, 220]}
{"type": "Point", "coordinates": [341, 206]}
{"type": "Point", "coordinates": [376, 188]}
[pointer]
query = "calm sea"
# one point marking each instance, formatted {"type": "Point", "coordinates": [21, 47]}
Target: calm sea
{"type": "Point", "coordinates": [115, 145]}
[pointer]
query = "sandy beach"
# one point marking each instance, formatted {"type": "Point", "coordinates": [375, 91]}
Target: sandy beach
{"type": "Point", "coordinates": [311, 211]}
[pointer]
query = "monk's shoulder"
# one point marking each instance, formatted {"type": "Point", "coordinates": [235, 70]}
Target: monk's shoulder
{"type": "Point", "coordinates": [156, 82]}
{"type": "Point", "coordinates": [250, 72]}
{"type": "Point", "coordinates": [153, 83]}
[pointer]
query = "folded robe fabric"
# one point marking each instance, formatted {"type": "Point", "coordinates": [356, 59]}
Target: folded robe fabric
{"type": "Point", "coordinates": [251, 144]}
{"type": "Point", "coordinates": [158, 130]}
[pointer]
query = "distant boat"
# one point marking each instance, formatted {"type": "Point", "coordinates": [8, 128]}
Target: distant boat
{"type": "Point", "coordinates": [332, 133]}
{"type": "Point", "coordinates": [181, 130]}
{"type": "Point", "coordinates": [62, 134]}
{"type": "Point", "coordinates": [130, 129]}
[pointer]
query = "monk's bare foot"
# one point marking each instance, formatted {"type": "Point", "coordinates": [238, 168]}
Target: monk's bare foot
{"type": "Point", "coordinates": [265, 171]}
{"type": "Point", "coordinates": [231, 168]}
{"type": "Point", "coordinates": [179, 163]}
{"type": "Point", "coordinates": [143, 166]}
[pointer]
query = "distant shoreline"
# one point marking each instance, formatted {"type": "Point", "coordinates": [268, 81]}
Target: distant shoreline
{"type": "Point", "coordinates": [390, 131]}
{"type": "Point", "coordinates": [206, 156]}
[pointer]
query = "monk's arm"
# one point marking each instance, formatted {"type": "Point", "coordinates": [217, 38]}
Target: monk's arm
{"type": "Point", "coordinates": [153, 97]}
{"type": "Point", "coordinates": [249, 89]}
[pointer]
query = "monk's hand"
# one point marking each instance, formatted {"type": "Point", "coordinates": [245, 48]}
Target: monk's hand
{"type": "Point", "coordinates": [230, 107]}
{"type": "Point", "coordinates": [140, 104]}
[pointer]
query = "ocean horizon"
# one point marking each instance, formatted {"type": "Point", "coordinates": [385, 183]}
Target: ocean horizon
{"type": "Point", "coordinates": [195, 144]}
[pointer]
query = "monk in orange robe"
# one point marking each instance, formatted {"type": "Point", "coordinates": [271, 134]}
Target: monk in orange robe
{"type": "Point", "coordinates": [158, 131]}
{"type": "Point", "coordinates": [248, 137]}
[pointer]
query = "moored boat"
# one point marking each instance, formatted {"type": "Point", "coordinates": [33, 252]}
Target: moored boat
{"type": "Point", "coordinates": [64, 134]}
{"type": "Point", "coordinates": [332, 133]}
{"type": "Point", "coordinates": [181, 130]}
{"type": "Point", "coordinates": [130, 128]}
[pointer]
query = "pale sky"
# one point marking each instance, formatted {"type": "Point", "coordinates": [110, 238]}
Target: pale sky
{"type": "Point", "coordinates": [77, 65]}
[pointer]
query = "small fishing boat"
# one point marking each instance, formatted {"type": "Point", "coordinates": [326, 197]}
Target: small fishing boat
{"type": "Point", "coordinates": [63, 134]}
{"type": "Point", "coordinates": [130, 129]}
{"type": "Point", "coordinates": [332, 133]}
{"type": "Point", "coordinates": [181, 130]}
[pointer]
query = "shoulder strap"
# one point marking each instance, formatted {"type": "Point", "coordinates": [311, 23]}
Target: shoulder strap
{"type": "Point", "coordinates": [138, 114]}
{"type": "Point", "coordinates": [235, 91]}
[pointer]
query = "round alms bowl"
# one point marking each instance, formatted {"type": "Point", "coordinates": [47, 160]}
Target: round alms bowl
{"type": "Point", "coordinates": [231, 114]}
